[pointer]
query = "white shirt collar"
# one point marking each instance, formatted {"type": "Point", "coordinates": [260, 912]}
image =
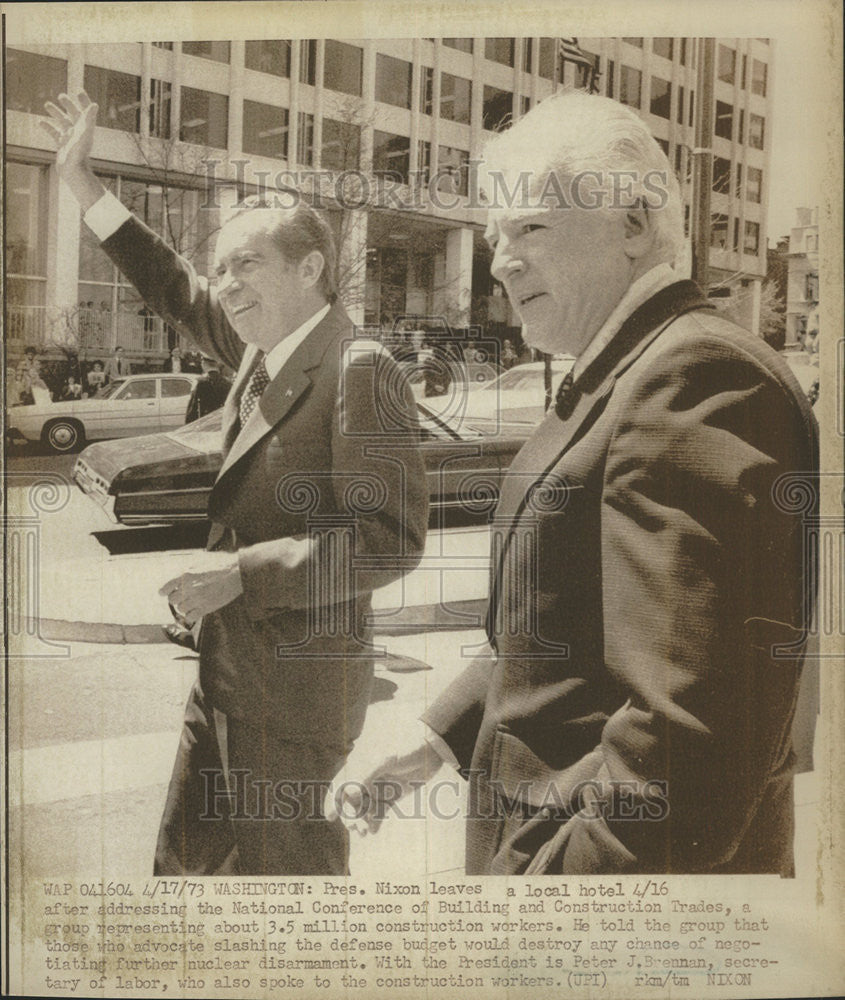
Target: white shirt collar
{"type": "Point", "coordinates": [276, 358]}
{"type": "Point", "coordinates": [659, 277]}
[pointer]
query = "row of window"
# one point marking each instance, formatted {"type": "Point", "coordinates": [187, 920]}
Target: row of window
{"type": "Point", "coordinates": [726, 65]}
{"type": "Point", "coordinates": [722, 169]}
{"type": "Point", "coordinates": [719, 233]}
{"type": "Point", "coordinates": [273, 56]}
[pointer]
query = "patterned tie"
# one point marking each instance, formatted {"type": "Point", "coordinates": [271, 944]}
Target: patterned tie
{"type": "Point", "coordinates": [258, 382]}
{"type": "Point", "coordinates": [565, 398]}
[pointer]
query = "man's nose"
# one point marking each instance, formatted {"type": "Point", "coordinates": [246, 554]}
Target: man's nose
{"type": "Point", "coordinates": [505, 261]}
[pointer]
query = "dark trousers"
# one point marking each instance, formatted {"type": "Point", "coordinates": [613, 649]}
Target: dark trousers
{"type": "Point", "coordinates": [266, 819]}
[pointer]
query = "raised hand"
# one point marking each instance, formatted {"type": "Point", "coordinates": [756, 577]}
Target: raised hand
{"type": "Point", "coordinates": [71, 123]}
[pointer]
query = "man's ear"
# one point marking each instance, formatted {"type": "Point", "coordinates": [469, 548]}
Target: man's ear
{"type": "Point", "coordinates": [310, 268]}
{"type": "Point", "coordinates": [639, 231]}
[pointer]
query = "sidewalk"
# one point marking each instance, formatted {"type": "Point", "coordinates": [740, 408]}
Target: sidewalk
{"type": "Point", "coordinates": [114, 599]}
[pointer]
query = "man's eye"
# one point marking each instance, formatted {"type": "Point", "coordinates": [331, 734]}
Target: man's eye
{"type": "Point", "coordinates": [531, 227]}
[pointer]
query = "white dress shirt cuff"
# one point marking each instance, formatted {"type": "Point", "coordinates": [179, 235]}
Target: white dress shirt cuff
{"type": "Point", "coordinates": [106, 216]}
{"type": "Point", "coordinates": [439, 746]}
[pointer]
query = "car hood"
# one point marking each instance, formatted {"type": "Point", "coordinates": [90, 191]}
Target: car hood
{"type": "Point", "coordinates": [145, 457]}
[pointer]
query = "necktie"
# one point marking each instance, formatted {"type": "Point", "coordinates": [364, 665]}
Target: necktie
{"type": "Point", "coordinates": [258, 382]}
{"type": "Point", "coordinates": [565, 398]}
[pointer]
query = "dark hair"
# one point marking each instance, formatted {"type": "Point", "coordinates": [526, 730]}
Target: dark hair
{"type": "Point", "coordinates": [29, 349]}
{"type": "Point", "coordinates": [297, 231]}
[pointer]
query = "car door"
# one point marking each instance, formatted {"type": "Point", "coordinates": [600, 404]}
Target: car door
{"type": "Point", "coordinates": [175, 393]}
{"type": "Point", "coordinates": [133, 409]}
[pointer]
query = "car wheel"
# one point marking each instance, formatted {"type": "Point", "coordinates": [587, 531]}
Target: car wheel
{"type": "Point", "coordinates": [64, 435]}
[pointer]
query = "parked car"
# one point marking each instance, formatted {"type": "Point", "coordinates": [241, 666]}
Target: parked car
{"type": "Point", "coordinates": [517, 395]}
{"type": "Point", "coordinates": [136, 404]}
{"type": "Point", "coordinates": [166, 478]}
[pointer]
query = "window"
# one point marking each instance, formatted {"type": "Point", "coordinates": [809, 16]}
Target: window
{"type": "Point", "coordinates": [754, 185]}
{"type": "Point", "coordinates": [724, 124]}
{"type": "Point", "coordinates": [664, 145]}
{"type": "Point", "coordinates": [343, 68]}
{"type": "Point", "coordinates": [548, 58]}
{"type": "Point", "coordinates": [118, 95]}
{"type": "Point", "coordinates": [726, 65]}
{"type": "Point", "coordinates": [759, 72]}
{"type": "Point", "coordinates": [268, 56]}
{"type": "Point", "coordinates": [305, 147]}
{"type": "Point", "coordinates": [26, 251]}
{"type": "Point", "coordinates": [265, 130]}
{"type": "Point", "coordinates": [630, 86]}
{"type": "Point", "coordinates": [751, 243]}
{"type": "Point", "coordinates": [426, 90]}
{"type": "Point", "coordinates": [691, 107]}
{"type": "Point", "coordinates": [32, 79]}
{"type": "Point", "coordinates": [500, 50]}
{"type": "Point", "coordinates": [160, 109]}
{"type": "Point", "coordinates": [719, 231]}
{"type": "Point", "coordinates": [721, 175]}
{"type": "Point", "coordinates": [341, 145]}
{"type": "Point", "coordinates": [497, 108]}
{"type": "Point", "coordinates": [756, 131]}
{"type": "Point", "coordinates": [736, 235]}
{"type": "Point", "coordinates": [683, 51]}
{"type": "Point", "coordinates": [661, 97]}
{"type": "Point", "coordinates": [524, 105]}
{"type": "Point", "coordinates": [738, 187]}
{"type": "Point", "coordinates": [679, 112]}
{"type": "Point", "coordinates": [453, 170]}
{"type": "Point", "coordinates": [608, 86]}
{"type": "Point", "coordinates": [663, 47]}
{"type": "Point", "coordinates": [204, 118]}
{"type": "Point", "coordinates": [164, 45]}
{"type": "Point", "coordinates": [744, 71]}
{"type": "Point", "coordinates": [740, 131]}
{"type": "Point", "coordinates": [218, 51]}
{"type": "Point", "coordinates": [679, 162]}
{"type": "Point", "coordinates": [172, 387]}
{"type": "Point", "coordinates": [308, 61]}
{"type": "Point", "coordinates": [393, 81]}
{"type": "Point", "coordinates": [139, 388]}
{"type": "Point", "coordinates": [634, 41]}
{"type": "Point", "coordinates": [462, 44]}
{"type": "Point", "coordinates": [455, 98]}
{"type": "Point", "coordinates": [391, 155]}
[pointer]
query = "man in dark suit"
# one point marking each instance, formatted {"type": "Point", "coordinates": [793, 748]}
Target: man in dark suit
{"type": "Point", "coordinates": [209, 393]}
{"type": "Point", "coordinates": [648, 601]}
{"type": "Point", "coordinates": [321, 497]}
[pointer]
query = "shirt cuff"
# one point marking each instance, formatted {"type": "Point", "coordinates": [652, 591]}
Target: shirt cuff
{"type": "Point", "coordinates": [439, 746]}
{"type": "Point", "coordinates": [106, 216]}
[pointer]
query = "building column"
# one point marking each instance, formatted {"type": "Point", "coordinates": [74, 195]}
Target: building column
{"type": "Point", "coordinates": [352, 262]}
{"type": "Point", "coordinates": [457, 293]}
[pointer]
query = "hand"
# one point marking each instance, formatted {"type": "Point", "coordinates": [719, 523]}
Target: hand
{"type": "Point", "coordinates": [363, 805]}
{"type": "Point", "coordinates": [213, 581]}
{"type": "Point", "coordinates": [72, 126]}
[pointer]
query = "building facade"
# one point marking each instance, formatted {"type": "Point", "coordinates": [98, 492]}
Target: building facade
{"type": "Point", "coordinates": [802, 290]}
{"type": "Point", "coordinates": [382, 134]}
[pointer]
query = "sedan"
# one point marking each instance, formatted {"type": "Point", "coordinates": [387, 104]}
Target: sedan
{"type": "Point", "coordinates": [167, 478]}
{"type": "Point", "coordinates": [136, 404]}
{"type": "Point", "coordinates": [517, 395]}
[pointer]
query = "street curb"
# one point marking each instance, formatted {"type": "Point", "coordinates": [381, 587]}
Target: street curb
{"type": "Point", "coordinates": [455, 617]}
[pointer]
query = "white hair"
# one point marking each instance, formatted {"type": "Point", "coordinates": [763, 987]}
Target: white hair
{"type": "Point", "coordinates": [573, 137]}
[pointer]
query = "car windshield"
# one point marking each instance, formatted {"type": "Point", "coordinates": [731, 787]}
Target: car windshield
{"type": "Point", "coordinates": [109, 390]}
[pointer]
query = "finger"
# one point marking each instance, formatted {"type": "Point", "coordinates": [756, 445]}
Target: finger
{"type": "Point", "coordinates": [83, 100]}
{"type": "Point", "coordinates": [56, 112]}
{"type": "Point", "coordinates": [71, 108]}
{"type": "Point", "coordinates": [54, 130]}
